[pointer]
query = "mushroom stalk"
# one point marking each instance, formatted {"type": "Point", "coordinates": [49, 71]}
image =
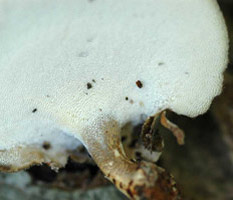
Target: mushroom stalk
{"type": "Point", "coordinates": [137, 180]}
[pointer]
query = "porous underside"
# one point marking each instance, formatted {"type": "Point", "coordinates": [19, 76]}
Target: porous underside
{"type": "Point", "coordinates": [68, 65]}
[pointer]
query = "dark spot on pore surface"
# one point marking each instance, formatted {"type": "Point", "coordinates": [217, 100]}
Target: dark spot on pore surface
{"type": "Point", "coordinates": [34, 110]}
{"type": "Point", "coordinates": [46, 145]}
{"type": "Point", "coordinates": [93, 80]}
{"type": "Point", "coordinates": [89, 86]}
{"type": "Point", "coordinates": [90, 40]}
{"type": "Point", "coordinates": [161, 63]}
{"type": "Point", "coordinates": [139, 84]}
{"type": "Point", "coordinates": [126, 98]}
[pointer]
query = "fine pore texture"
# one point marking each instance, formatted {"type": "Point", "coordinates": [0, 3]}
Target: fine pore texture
{"type": "Point", "coordinates": [71, 70]}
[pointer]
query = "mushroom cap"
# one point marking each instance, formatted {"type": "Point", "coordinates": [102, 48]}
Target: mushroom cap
{"type": "Point", "coordinates": [68, 65]}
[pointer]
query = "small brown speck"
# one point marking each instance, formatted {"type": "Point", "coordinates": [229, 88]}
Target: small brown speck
{"type": "Point", "coordinates": [93, 80]}
{"type": "Point", "coordinates": [89, 86]}
{"type": "Point", "coordinates": [46, 145]}
{"type": "Point", "coordinates": [114, 181]}
{"type": "Point", "coordinates": [100, 110]}
{"type": "Point", "coordinates": [139, 84]}
{"type": "Point", "coordinates": [131, 101]}
{"type": "Point", "coordinates": [34, 110]}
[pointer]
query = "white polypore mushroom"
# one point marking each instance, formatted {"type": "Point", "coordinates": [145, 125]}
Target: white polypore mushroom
{"type": "Point", "coordinates": [75, 71]}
